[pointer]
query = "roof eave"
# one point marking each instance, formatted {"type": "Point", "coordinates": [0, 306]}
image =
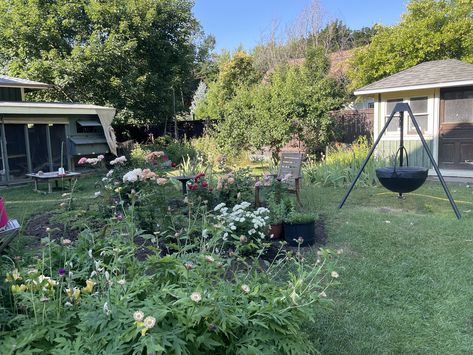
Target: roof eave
{"type": "Point", "coordinates": [362, 91]}
{"type": "Point", "coordinates": [39, 86]}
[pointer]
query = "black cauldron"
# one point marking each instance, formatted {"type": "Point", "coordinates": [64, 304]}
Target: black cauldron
{"type": "Point", "coordinates": [402, 179]}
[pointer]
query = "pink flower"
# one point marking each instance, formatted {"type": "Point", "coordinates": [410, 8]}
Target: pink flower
{"type": "Point", "coordinates": [82, 161]}
{"type": "Point", "coordinates": [205, 184]}
{"type": "Point", "coordinates": [100, 157]}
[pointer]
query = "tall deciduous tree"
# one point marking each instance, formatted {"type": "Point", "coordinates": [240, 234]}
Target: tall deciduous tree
{"type": "Point", "coordinates": [131, 54]}
{"type": "Point", "coordinates": [429, 30]}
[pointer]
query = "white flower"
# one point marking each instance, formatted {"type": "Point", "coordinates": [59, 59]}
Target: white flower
{"type": "Point", "coordinates": [110, 173]}
{"type": "Point", "coordinates": [149, 322]}
{"type": "Point", "coordinates": [322, 294]}
{"type": "Point", "coordinates": [138, 316]}
{"type": "Point", "coordinates": [106, 309]}
{"type": "Point", "coordinates": [66, 242]}
{"type": "Point", "coordinates": [245, 288]}
{"type": "Point", "coordinates": [196, 297]}
{"type": "Point", "coordinates": [119, 160]}
{"type": "Point", "coordinates": [97, 194]}
{"type": "Point", "coordinates": [209, 259]}
{"type": "Point", "coordinates": [219, 206]}
{"type": "Point", "coordinates": [334, 274]}
{"type": "Point", "coordinates": [121, 282]}
{"type": "Point", "coordinates": [68, 304]}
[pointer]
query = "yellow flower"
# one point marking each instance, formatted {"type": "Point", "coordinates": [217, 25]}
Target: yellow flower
{"type": "Point", "coordinates": [73, 293]}
{"type": "Point", "coordinates": [13, 276]}
{"type": "Point", "coordinates": [18, 289]}
{"type": "Point", "coordinates": [90, 286]}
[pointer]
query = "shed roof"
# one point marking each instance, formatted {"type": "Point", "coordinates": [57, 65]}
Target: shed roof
{"type": "Point", "coordinates": [433, 74]}
{"type": "Point", "coordinates": [26, 107]}
{"type": "Point", "coordinates": [9, 82]}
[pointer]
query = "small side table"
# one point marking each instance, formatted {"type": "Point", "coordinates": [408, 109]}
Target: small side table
{"type": "Point", "coordinates": [184, 179]}
{"type": "Point", "coordinates": [49, 177]}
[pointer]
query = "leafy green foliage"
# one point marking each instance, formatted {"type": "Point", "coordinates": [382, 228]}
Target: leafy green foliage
{"type": "Point", "coordinates": [114, 290]}
{"type": "Point", "coordinates": [127, 54]}
{"type": "Point", "coordinates": [294, 100]}
{"type": "Point", "coordinates": [340, 165]}
{"type": "Point", "coordinates": [429, 30]}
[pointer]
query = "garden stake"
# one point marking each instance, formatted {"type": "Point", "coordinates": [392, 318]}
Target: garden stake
{"type": "Point", "coordinates": [401, 108]}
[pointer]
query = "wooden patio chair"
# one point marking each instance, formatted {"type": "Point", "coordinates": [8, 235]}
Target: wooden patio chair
{"type": "Point", "coordinates": [289, 173]}
{"type": "Point", "coordinates": [8, 233]}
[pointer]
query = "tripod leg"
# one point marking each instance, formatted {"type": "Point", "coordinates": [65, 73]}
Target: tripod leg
{"type": "Point", "coordinates": [434, 164]}
{"type": "Point", "coordinates": [367, 159]}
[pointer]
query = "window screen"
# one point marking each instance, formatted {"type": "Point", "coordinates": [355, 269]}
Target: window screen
{"type": "Point", "coordinates": [458, 106]}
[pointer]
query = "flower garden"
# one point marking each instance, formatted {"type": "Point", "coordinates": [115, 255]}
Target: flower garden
{"type": "Point", "coordinates": [127, 263]}
{"type": "Point", "coordinates": [152, 270]}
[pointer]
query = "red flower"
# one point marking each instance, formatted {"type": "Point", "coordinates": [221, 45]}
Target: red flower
{"type": "Point", "coordinates": [193, 186]}
{"type": "Point", "coordinates": [199, 175]}
{"type": "Point", "coordinates": [173, 164]}
{"type": "Point", "coordinates": [205, 184]}
{"type": "Point", "coordinates": [165, 158]}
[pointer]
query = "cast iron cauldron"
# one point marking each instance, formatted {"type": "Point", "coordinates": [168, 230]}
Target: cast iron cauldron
{"type": "Point", "coordinates": [402, 179]}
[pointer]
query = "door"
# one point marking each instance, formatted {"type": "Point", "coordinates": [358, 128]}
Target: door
{"type": "Point", "coordinates": [456, 128]}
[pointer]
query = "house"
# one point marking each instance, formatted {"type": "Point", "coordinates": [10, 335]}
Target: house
{"type": "Point", "coordinates": [440, 94]}
{"type": "Point", "coordinates": [38, 136]}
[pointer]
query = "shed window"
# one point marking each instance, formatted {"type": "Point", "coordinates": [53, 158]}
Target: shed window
{"type": "Point", "coordinates": [88, 127]}
{"type": "Point", "coordinates": [394, 125]}
{"type": "Point", "coordinates": [458, 106]}
{"type": "Point", "coordinates": [420, 110]}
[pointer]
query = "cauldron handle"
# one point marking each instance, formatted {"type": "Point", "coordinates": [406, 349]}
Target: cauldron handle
{"type": "Point", "coordinates": [395, 158]}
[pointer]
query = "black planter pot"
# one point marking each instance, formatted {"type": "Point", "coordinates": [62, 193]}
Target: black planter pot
{"type": "Point", "coordinates": [293, 231]}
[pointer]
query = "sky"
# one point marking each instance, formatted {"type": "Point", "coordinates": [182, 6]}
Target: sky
{"type": "Point", "coordinates": [246, 22]}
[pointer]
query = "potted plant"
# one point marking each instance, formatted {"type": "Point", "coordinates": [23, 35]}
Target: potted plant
{"type": "Point", "coordinates": [299, 229]}
{"type": "Point", "coordinates": [278, 210]}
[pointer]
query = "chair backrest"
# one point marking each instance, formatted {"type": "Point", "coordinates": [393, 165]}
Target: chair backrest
{"type": "Point", "coordinates": [290, 166]}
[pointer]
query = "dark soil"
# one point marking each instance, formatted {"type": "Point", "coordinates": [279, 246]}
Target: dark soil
{"type": "Point", "coordinates": [36, 228]}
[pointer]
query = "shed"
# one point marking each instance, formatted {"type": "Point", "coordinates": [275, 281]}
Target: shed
{"type": "Point", "coordinates": [34, 134]}
{"type": "Point", "coordinates": [440, 94]}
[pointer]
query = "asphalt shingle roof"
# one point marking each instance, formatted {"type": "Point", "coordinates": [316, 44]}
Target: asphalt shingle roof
{"type": "Point", "coordinates": [429, 73]}
{"type": "Point", "coordinates": [8, 81]}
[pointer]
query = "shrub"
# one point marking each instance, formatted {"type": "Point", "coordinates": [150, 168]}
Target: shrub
{"type": "Point", "coordinates": [340, 165]}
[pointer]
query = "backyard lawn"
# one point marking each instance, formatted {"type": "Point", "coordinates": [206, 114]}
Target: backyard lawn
{"type": "Point", "coordinates": [405, 284]}
{"type": "Point", "coordinates": [405, 280]}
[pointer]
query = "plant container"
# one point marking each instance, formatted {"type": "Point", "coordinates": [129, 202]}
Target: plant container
{"type": "Point", "coordinates": [3, 213]}
{"type": "Point", "coordinates": [292, 232]}
{"type": "Point", "coordinates": [277, 230]}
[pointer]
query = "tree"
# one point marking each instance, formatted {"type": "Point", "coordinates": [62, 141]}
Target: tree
{"type": "Point", "coordinates": [234, 73]}
{"type": "Point", "coordinates": [131, 55]}
{"type": "Point", "coordinates": [429, 30]}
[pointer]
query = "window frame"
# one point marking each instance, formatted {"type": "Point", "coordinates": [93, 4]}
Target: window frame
{"type": "Point", "coordinates": [407, 122]}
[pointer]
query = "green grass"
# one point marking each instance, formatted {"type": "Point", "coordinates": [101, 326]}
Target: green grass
{"type": "Point", "coordinates": [405, 275]}
{"type": "Point", "coordinates": [22, 202]}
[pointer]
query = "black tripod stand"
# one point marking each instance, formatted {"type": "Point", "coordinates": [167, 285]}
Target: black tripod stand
{"type": "Point", "coordinates": [401, 108]}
